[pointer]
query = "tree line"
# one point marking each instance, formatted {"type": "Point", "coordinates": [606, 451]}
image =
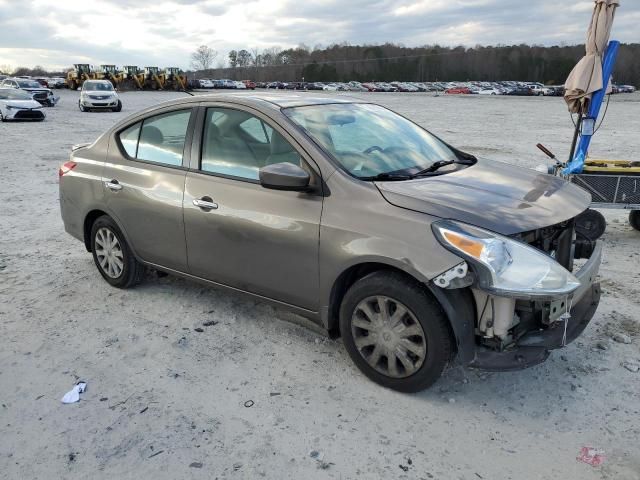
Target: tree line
{"type": "Point", "coordinates": [388, 62]}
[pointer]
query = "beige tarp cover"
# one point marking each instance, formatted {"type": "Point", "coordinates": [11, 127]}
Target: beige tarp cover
{"type": "Point", "coordinates": [586, 76]}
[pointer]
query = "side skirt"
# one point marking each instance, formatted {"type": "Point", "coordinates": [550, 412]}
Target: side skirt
{"type": "Point", "coordinates": [311, 319]}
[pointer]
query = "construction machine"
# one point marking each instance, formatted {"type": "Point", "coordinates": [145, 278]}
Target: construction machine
{"type": "Point", "coordinates": [77, 76]}
{"type": "Point", "coordinates": [108, 72]}
{"type": "Point", "coordinates": [131, 78]}
{"type": "Point", "coordinates": [175, 79]}
{"type": "Point", "coordinates": [154, 79]}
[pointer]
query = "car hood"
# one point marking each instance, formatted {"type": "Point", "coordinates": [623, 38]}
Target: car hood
{"type": "Point", "coordinates": [22, 103]}
{"type": "Point", "coordinates": [493, 195]}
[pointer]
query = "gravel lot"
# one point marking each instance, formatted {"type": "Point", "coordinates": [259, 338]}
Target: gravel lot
{"type": "Point", "coordinates": [253, 395]}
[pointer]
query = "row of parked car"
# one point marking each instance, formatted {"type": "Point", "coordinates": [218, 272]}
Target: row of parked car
{"type": "Point", "coordinates": [222, 83]}
{"type": "Point", "coordinates": [480, 88]}
{"type": "Point", "coordinates": [46, 82]}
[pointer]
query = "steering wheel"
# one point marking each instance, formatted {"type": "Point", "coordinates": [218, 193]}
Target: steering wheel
{"type": "Point", "coordinates": [374, 148]}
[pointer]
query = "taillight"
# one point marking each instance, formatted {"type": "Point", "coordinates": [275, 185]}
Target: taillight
{"type": "Point", "coordinates": [66, 168]}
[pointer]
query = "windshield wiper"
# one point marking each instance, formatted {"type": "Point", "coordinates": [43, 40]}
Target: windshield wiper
{"type": "Point", "coordinates": [389, 177]}
{"type": "Point", "coordinates": [442, 163]}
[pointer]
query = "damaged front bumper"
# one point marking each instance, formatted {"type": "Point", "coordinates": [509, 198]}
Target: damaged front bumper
{"type": "Point", "coordinates": [533, 346]}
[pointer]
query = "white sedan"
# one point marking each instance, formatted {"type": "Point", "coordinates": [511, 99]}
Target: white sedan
{"type": "Point", "coordinates": [19, 105]}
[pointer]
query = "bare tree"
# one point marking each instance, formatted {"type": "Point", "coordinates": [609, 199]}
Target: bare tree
{"type": "Point", "coordinates": [203, 58]}
{"type": "Point", "coordinates": [244, 58]}
{"type": "Point", "coordinates": [233, 58]}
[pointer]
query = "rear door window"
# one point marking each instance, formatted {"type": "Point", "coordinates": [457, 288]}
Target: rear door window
{"type": "Point", "coordinates": [158, 139]}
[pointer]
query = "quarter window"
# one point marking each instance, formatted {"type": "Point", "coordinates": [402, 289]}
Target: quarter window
{"type": "Point", "coordinates": [129, 139]}
{"type": "Point", "coordinates": [158, 139]}
{"type": "Point", "coordinates": [238, 144]}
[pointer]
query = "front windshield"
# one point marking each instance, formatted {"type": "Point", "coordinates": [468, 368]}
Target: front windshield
{"type": "Point", "coordinates": [29, 84]}
{"type": "Point", "coordinates": [369, 140]}
{"type": "Point", "coordinates": [102, 86]}
{"type": "Point", "coordinates": [12, 94]}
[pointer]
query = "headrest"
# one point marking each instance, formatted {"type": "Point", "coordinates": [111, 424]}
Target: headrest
{"type": "Point", "coordinates": [152, 135]}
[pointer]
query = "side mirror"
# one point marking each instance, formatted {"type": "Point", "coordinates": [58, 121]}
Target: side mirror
{"type": "Point", "coordinates": [284, 176]}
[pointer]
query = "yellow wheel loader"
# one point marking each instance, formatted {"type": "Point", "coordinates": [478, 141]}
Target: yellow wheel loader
{"type": "Point", "coordinates": [175, 79]}
{"type": "Point", "coordinates": [153, 78]}
{"type": "Point", "coordinates": [131, 78]}
{"type": "Point", "coordinates": [77, 76]}
{"type": "Point", "coordinates": [109, 72]}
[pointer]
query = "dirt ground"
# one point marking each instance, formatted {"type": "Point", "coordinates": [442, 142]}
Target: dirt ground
{"type": "Point", "coordinates": [256, 395]}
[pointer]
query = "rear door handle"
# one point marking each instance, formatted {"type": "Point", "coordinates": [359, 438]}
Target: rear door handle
{"type": "Point", "coordinates": [113, 185]}
{"type": "Point", "coordinates": [205, 203]}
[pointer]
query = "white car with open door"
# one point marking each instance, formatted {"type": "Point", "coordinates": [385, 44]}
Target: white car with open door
{"type": "Point", "coordinates": [18, 104]}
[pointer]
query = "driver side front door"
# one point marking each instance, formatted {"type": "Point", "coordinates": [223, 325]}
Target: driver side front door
{"type": "Point", "coordinates": [251, 238]}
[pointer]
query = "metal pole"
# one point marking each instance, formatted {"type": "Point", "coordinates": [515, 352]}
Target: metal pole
{"type": "Point", "coordinates": [575, 137]}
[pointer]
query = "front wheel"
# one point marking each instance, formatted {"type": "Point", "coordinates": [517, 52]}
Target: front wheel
{"type": "Point", "coordinates": [112, 255]}
{"type": "Point", "coordinates": [82, 107]}
{"type": "Point", "coordinates": [118, 107]}
{"type": "Point", "coordinates": [395, 332]}
{"type": "Point", "coordinates": [634, 219]}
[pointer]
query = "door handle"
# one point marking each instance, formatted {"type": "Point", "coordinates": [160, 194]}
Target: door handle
{"type": "Point", "coordinates": [205, 203]}
{"type": "Point", "coordinates": [113, 185]}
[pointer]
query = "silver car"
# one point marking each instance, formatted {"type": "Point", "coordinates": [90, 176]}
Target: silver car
{"type": "Point", "coordinates": [417, 254]}
{"type": "Point", "coordinates": [99, 95]}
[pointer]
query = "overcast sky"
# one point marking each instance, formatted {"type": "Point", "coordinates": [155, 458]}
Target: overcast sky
{"type": "Point", "coordinates": [58, 33]}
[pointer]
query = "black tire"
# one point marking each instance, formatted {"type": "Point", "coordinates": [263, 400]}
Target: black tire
{"type": "Point", "coordinates": [423, 307]}
{"type": "Point", "coordinates": [591, 224]}
{"type": "Point", "coordinates": [634, 219]}
{"type": "Point", "coordinates": [132, 271]}
{"type": "Point", "coordinates": [118, 107]}
{"type": "Point", "coordinates": [81, 107]}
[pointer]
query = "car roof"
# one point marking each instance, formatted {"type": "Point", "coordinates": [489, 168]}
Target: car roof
{"type": "Point", "coordinates": [280, 100]}
{"type": "Point", "coordinates": [259, 101]}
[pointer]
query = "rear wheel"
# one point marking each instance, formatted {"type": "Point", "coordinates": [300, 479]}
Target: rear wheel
{"type": "Point", "coordinates": [395, 332]}
{"type": "Point", "coordinates": [112, 255]}
{"type": "Point", "coordinates": [634, 219]}
{"type": "Point", "coordinates": [591, 224]}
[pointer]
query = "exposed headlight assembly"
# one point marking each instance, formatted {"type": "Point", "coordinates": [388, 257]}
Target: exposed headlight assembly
{"type": "Point", "coordinates": [506, 267]}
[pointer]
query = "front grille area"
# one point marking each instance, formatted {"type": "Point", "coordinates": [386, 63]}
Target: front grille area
{"type": "Point", "coordinates": [40, 96]}
{"type": "Point", "coordinates": [29, 115]}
